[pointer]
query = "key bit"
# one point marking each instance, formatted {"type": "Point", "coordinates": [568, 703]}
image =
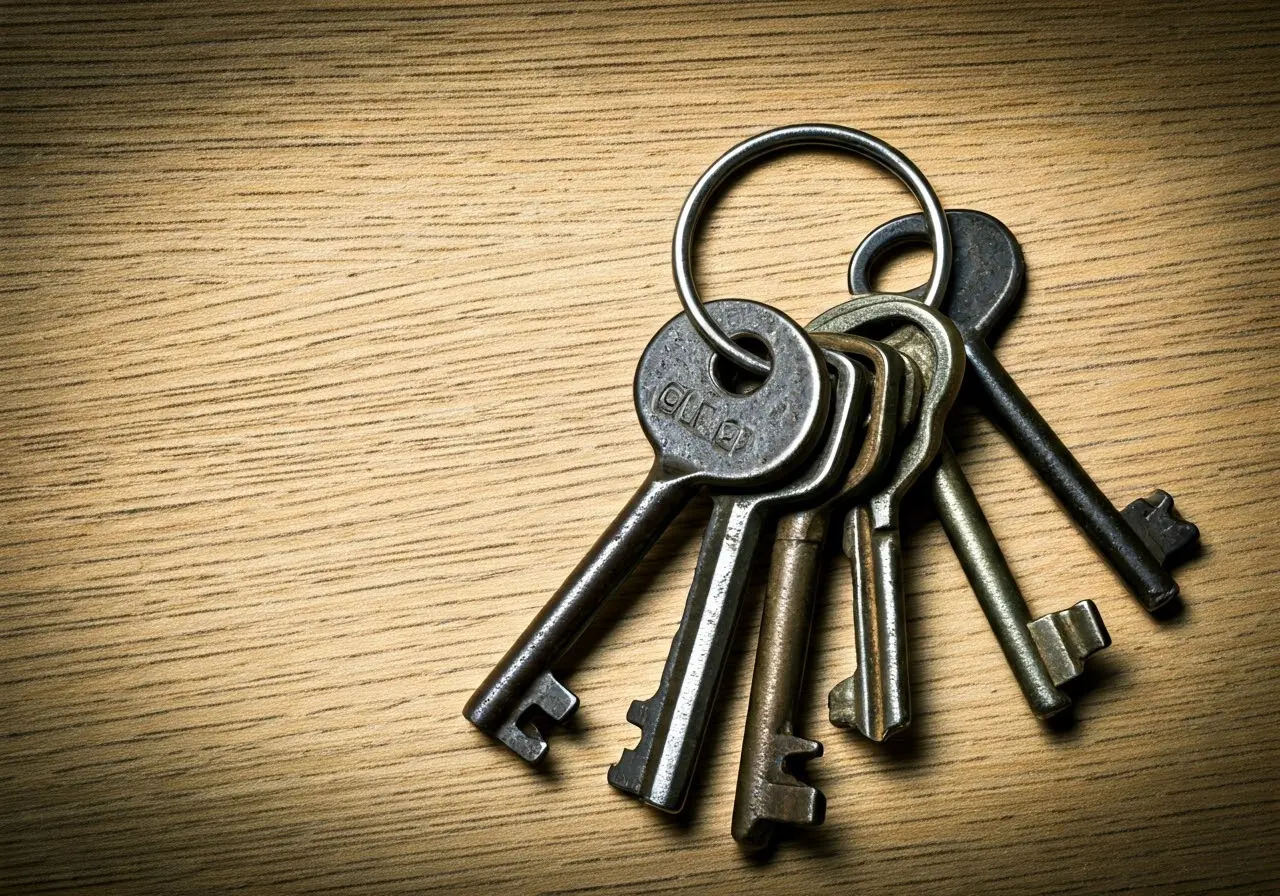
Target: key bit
{"type": "Point", "coordinates": [1161, 527]}
{"type": "Point", "coordinates": [1067, 638]}
{"type": "Point", "coordinates": [781, 797]}
{"type": "Point", "coordinates": [547, 698]}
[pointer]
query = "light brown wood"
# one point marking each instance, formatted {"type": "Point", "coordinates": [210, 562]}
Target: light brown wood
{"type": "Point", "coordinates": [317, 337]}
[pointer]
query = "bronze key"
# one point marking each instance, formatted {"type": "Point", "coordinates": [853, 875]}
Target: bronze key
{"type": "Point", "coordinates": [768, 792]}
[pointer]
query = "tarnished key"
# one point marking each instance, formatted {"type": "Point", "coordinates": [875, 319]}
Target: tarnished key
{"type": "Point", "coordinates": [768, 791]}
{"type": "Point", "coordinates": [986, 280]}
{"type": "Point", "coordinates": [876, 699]}
{"type": "Point", "coordinates": [673, 723]}
{"type": "Point", "coordinates": [703, 433]}
{"type": "Point", "coordinates": [1043, 653]}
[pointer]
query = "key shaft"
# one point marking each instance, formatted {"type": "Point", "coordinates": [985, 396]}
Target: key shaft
{"type": "Point", "coordinates": [522, 682]}
{"type": "Point", "coordinates": [1042, 654]}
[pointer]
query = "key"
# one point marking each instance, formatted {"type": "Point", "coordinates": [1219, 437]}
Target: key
{"type": "Point", "coordinates": [1139, 542]}
{"type": "Point", "coordinates": [704, 433]}
{"type": "Point", "coordinates": [673, 723]}
{"type": "Point", "coordinates": [1044, 653]}
{"type": "Point", "coordinates": [876, 699]}
{"type": "Point", "coordinates": [768, 792]}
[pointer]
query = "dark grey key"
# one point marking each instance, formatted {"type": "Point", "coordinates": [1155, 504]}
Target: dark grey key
{"type": "Point", "coordinates": [768, 790]}
{"type": "Point", "coordinates": [876, 699]}
{"type": "Point", "coordinates": [986, 280]}
{"type": "Point", "coordinates": [704, 433]}
{"type": "Point", "coordinates": [673, 723]}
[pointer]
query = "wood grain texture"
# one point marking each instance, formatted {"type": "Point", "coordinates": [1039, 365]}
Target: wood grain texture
{"type": "Point", "coordinates": [317, 337]}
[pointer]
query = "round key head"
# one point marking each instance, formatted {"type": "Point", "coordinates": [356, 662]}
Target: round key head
{"type": "Point", "coordinates": [987, 270]}
{"type": "Point", "coordinates": [705, 424]}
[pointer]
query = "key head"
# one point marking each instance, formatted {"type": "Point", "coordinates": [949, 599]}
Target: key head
{"type": "Point", "coordinates": [878, 434]}
{"type": "Point", "coordinates": [703, 428]}
{"type": "Point", "coordinates": [934, 344]}
{"type": "Point", "coordinates": [987, 271]}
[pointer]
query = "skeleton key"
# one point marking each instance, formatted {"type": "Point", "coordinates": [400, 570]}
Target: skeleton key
{"type": "Point", "coordinates": [702, 434]}
{"type": "Point", "coordinates": [876, 699]}
{"type": "Point", "coordinates": [673, 723]}
{"type": "Point", "coordinates": [1044, 653]}
{"type": "Point", "coordinates": [768, 792]}
{"type": "Point", "coordinates": [986, 279]}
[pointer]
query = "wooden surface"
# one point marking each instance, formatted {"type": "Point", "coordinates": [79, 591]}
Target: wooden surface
{"type": "Point", "coordinates": [317, 340]}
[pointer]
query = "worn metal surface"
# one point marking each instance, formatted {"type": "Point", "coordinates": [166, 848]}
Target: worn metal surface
{"type": "Point", "coordinates": [1044, 653]}
{"type": "Point", "coordinates": [876, 699]}
{"type": "Point", "coordinates": [673, 723]}
{"type": "Point", "coordinates": [749, 151]}
{"type": "Point", "coordinates": [702, 434]}
{"type": "Point", "coordinates": [768, 791]}
{"type": "Point", "coordinates": [983, 290]}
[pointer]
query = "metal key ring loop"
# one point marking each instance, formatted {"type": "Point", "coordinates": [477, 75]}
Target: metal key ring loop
{"type": "Point", "coordinates": [752, 150]}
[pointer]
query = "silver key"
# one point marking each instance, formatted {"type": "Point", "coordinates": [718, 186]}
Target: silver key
{"type": "Point", "coordinates": [673, 723]}
{"type": "Point", "coordinates": [876, 699]}
{"type": "Point", "coordinates": [703, 433]}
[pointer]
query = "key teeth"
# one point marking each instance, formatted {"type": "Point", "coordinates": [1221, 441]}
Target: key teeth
{"type": "Point", "coordinates": [638, 713]}
{"type": "Point", "coordinates": [1067, 638]}
{"type": "Point", "coordinates": [842, 704]}
{"type": "Point", "coordinates": [528, 747]}
{"type": "Point", "coordinates": [546, 698]}
{"type": "Point", "coordinates": [789, 748]}
{"type": "Point", "coordinates": [784, 797]}
{"type": "Point", "coordinates": [552, 698]}
{"type": "Point", "coordinates": [798, 804]}
{"type": "Point", "coordinates": [846, 710]}
{"type": "Point", "coordinates": [626, 773]}
{"type": "Point", "coordinates": [1161, 527]}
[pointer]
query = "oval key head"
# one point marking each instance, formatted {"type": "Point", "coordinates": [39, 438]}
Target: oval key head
{"type": "Point", "coordinates": [987, 271]}
{"type": "Point", "coordinates": [728, 436]}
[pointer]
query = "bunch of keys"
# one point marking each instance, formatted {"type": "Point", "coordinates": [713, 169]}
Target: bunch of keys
{"type": "Point", "coordinates": [836, 424]}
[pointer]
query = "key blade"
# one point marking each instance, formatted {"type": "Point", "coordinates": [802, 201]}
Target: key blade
{"type": "Point", "coordinates": [1067, 638]}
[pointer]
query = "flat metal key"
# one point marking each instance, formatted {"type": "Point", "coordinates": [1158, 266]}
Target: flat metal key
{"type": "Point", "coordinates": [673, 723]}
{"type": "Point", "coordinates": [768, 792]}
{"type": "Point", "coordinates": [704, 433]}
{"type": "Point", "coordinates": [1044, 653]}
{"type": "Point", "coordinates": [1139, 542]}
{"type": "Point", "coordinates": [876, 699]}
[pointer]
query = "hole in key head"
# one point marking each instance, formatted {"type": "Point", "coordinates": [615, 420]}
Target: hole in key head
{"type": "Point", "coordinates": [902, 268]}
{"type": "Point", "coordinates": [732, 378]}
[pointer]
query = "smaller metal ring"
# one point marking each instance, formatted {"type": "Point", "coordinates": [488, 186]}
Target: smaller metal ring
{"type": "Point", "coordinates": [755, 148]}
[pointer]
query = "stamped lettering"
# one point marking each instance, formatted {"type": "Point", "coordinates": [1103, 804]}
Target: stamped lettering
{"type": "Point", "coordinates": [702, 418]}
